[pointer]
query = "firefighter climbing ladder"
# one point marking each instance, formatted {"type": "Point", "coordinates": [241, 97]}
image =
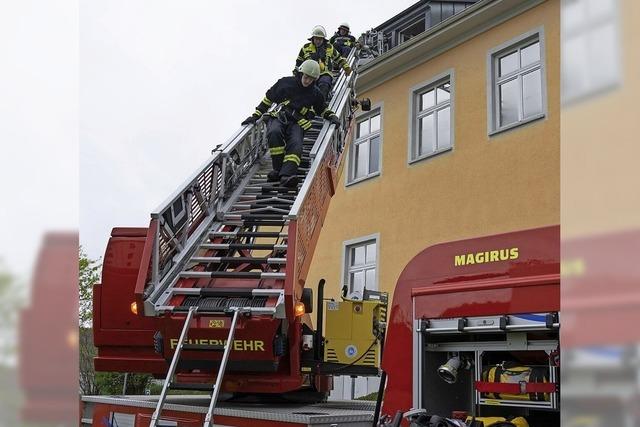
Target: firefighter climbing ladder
{"type": "Point", "coordinates": [227, 222]}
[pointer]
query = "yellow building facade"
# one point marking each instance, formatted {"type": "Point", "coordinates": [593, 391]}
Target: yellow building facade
{"type": "Point", "coordinates": [463, 141]}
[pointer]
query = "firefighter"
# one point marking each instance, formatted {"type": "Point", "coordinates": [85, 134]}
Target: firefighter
{"type": "Point", "coordinates": [322, 51]}
{"type": "Point", "coordinates": [297, 100]}
{"type": "Point", "coordinates": [342, 40]}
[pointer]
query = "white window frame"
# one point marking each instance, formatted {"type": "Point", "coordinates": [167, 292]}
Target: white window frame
{"type": "Point", "coordinates": [586, 28]}
{"type": "Point", "coordinates": [346, 258]}
{"type": "Point", "coordinates": [414, 114]}
{"type": "Point", "coordinates": [375, 110]}
{"type": "Point", "coordinates": [410, 24]}
{"type": "Point", "coordinates": [493, 99]}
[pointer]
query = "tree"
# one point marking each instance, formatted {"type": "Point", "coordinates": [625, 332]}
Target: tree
{"type": "Point", "coordinates": [89, 272]}
{"type": "Point", "coordinates": [11, 300]}
{"type": "Point", "coordinates": [88, 275]}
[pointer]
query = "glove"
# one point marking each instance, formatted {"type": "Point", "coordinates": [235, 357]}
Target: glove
{"type": "Point", "coordinates": [347, 70]}
{"type": "Point", "coordinates": [250, 120]}
{"type": "Point", "coordinates": [334, 119]}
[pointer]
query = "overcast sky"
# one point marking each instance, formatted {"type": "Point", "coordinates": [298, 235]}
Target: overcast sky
{"type": "Point", "coordinates": [162, 82]}
{"type": "Point", "coordinates": [38, 126]}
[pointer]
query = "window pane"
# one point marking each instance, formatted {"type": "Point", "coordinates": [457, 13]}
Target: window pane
{"type": "Point", "coordinates": [530, 54]}
{"type": "Point", "coordinates": [370, 279]}
{"type": "Point", "coordinates": [573, 15]}
{"type": "Point", "coordinates": [444, 128]}
{"type": "Point", "coordinates": [426, 132]}
{"type": "Point", "coordinates": [371, 253]}
{"type": "Point", "coordinates": [603, 58]}
{"type": "Point", "coordinates": [357, 281]}
{"type": "Point", "coordinates": [508, 102]}
{"type": "Point", "coordinates": [508, 63]}
{"type": "Point", "coordinates": [532, 93]}
{"type": "Point", "coordinates": [427, 100]}
{"type": "Point", "coordinates": [443, 92]}
{"type": "Point", "coordinates": [374, 154]}
{"type": "Point", "coordinates": [357, 255]}
{"type": "Point", "coordinates": [363, 128]}
{"type": "Point", "coordinates": [375, 123]}
{"type": "Point", "coordinates": [362, 159]}
{"type": "Point", "coordinates": [575, 66]}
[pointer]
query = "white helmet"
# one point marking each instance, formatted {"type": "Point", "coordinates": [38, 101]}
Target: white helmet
{"type": "Point", "coordinates": [311, 68]}
{"type": "Point", "coordinates": [319, 31]}
{"type": "Point", "coordinates": [344, 25]}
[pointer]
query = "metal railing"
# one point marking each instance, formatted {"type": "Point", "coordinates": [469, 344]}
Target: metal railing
{"type": "Point", "coordinates": [189, 212]}
{"type": "Point", "coordinates": [313, 199]}
{"type": "Point", "coordinates": [191, 209]}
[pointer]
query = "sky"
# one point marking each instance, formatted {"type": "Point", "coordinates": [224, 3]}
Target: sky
{"type": "Point", "coordinates": [162, 82]}
{"type": "Point", "coordinates": [38, 126]}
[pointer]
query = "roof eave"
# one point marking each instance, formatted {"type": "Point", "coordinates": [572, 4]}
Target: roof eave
{"type": "Point", "coordinates": [434, 41]}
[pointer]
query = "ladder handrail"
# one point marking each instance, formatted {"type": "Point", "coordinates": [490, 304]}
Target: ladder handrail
{"type": "Point", "coordinates": [190, 210]}
{"type": "Point", "coordinates": [172, 368]}
{"type": "Point", "coordinates": [200, 196]}
{"type": "Point", "coordinates": [208, 419]}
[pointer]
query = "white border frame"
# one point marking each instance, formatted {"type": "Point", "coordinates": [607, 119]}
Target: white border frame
{"type": "Point", "coordinates": [377, 107]}
{"type": "Point", "coordinates": [618, 78]}
{"type": "Point", "coordinates": [492, 128]}
{"type": "Point", "coordinates": [450, 72]}
{"type": "Point", "coordinates": [352, 242]}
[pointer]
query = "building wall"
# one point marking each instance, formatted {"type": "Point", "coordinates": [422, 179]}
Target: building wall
{"type": "Point", "coordinates": [600, 131]}
{"type": "Point", "coordinates": [485, 185]}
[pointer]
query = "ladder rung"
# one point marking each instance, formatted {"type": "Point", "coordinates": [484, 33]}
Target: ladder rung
{"type": "Point", "coordinates": [257, 246]}
{"type": "Point", "coordinates": [239, 260]}
{"type": "Point", "coordinates": [231, 275]}
{"type": "Point", "coordinates": [227, 292]}
{"type": "Point", "coordinates": [253, 217]}
{"type": "Point", "coordinates": [249, 223]}
{"type": "Point", "coordinates": [234, 234]}
{"type": "Point", "coordinates": [192, 386]}
{"type": "Point", "coordinates": [266, 189]}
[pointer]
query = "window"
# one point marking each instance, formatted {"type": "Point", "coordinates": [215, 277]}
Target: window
{"type": "Point", "coordinates": [517, 83]}
{"type": "Point", "coordinates": [361, 265]}
{"type": "Point", "coordinates": [590, 47]}
{"type": "Point", "coordinates": [411, 30]}
{"type": "Point", "coordinates": [431, 119]}
{"type": "Point", "coordinates": [365, 152]}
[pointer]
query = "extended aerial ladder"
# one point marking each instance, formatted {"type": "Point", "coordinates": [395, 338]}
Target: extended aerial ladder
{"type": "Point", "coordinates": [224, 262]}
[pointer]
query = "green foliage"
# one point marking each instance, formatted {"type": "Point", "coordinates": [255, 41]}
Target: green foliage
{"type": "Point", "coordinates": [371, 396]}
{"type": "Point", "coordinates": [89, 275]}
{"type": "Point", "coordinates": [12, 297]}
{"type": "Point", "coordinates": [111, 383]}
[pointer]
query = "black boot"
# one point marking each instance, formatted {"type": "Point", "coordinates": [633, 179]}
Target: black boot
{"type": "Point", "coordinates": [290, 181]}
{"type": "Point", "coordinates": [273, 176]}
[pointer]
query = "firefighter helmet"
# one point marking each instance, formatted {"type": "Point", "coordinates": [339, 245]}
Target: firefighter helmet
{"type": "Point", "coordinates": [344, 25]}
{"type": "Point", "coordinates": [311, 68]}
{"type": "Point", "coordinates": [319, 31]}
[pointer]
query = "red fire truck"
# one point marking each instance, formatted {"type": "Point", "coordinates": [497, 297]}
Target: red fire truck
{"type": "Point", "coordinates": [459, 309]}
{"type": "Point", "coordinates": [211, 297]}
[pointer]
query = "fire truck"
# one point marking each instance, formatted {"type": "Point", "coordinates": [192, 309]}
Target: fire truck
{"type": "Point", "coordinates": [212, 297]}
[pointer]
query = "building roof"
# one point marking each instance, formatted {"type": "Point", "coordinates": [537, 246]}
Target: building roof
{"type": "Point", "coordinates": [435, 40]}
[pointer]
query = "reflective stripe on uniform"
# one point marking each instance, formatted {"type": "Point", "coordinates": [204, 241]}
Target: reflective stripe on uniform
{"type": "Point", "coordinates": [304, 124]}
{"type": "Point", "coordinates": [267, 101]}
{"type": "Point", "coordinates": [274, 151]}
{"type": "Point", "coordinates": [257, 113]}
{"type": "Point", "coordinates": [292, 158]}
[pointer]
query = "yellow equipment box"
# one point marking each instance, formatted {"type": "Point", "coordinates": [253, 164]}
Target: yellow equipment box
{"type": "Point", "coordinates": [355, 329]}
